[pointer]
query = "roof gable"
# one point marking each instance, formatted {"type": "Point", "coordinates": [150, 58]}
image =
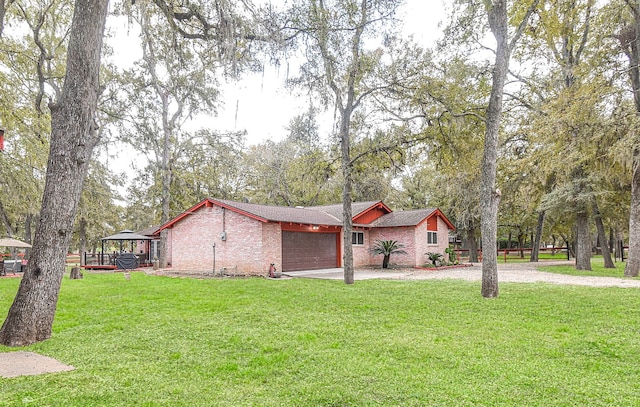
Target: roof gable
{"type": "Point", "coordinates": [357, 208]}
{"type": "Point", "coordinates": [150, 231]}
{"type": "Point", "coordinates": [410, 218]}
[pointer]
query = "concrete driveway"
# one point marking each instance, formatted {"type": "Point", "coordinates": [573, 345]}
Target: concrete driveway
{"type": "Point", "coordinates": [338, 274]}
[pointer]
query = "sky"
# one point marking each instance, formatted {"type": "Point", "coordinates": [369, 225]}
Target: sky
{"type": "Point", "coordinates": [259, 103]}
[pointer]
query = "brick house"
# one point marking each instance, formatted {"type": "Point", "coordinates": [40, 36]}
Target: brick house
{"type": "Point", "coordinates": [245, 238]}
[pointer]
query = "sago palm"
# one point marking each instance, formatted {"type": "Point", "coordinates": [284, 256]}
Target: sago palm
{"type": "Point", "coordinates": [387, 248]}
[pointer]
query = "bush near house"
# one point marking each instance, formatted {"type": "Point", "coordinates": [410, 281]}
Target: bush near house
{"type": "Point", "coordinates": [387, 248]}
{"type": "Point", "coordinates": [437, 259]}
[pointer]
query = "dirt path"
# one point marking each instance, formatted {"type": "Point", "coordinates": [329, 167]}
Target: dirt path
{"type": "Point", "coordinates": [21, 363]}
{"type": "Point", "coordinates": [523, 273]}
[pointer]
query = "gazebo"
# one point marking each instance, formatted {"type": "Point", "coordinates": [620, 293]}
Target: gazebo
{"type": "Point", "coordinates": [124, 258]}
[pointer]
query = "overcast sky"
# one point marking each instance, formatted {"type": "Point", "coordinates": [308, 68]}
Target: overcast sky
{"type": "Point", "coordinates": [259, 103]}
{"type": "Point", "coordinates": [264, 107]}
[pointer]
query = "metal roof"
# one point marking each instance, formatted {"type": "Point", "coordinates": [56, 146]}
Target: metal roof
{"type": "Point", "coordinates": [11, 242]}
{"type": "Point", "coordinates": [126, 235]}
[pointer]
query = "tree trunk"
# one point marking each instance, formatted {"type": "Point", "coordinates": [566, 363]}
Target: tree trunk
{"type": "Point", "coordinates": [5, 221]}
{"type": "Point", "coordinates": [631, 46]}
{"type": "Point", "coordinates": [73, 137]}
{"type": "Point", "coordinates": [521, 243]}
{"type": "Point", "coordinates": [75, 273]}
{"type": "Point", "coordinates": [166, 195]}
{"type": "Point", "coordinates": [632, 268]}
{"type": "Point", "coordinates": [489, 194]}
{"type": "Point", "coordinates": [606, 252]}
{"type": "Point", "coordinates": [347, 225]}
{"type": "Point", "coordinates": [583, 240]}
{"type": "Point", "coordinates": [27, 234]}
{"type": "Point", "coordinates": [571, 251]}
{"type": "Point", "coordinates": [535, 245]}
{"type": "Point", "coordinates": [168, 127]}
{"type": "Point", "coordinates": [473, 246]}
{"type": "Point", "coordinates": [164, 247]}
{"type": "Point", "coordinates": [83, 239]}
{"type": "Point", "coordinates": [385, 261]}
{"type": "Point", "coordinates": [612, 243]}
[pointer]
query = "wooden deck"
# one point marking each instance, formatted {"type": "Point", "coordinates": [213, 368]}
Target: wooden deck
{"type": "Point", "coordinates": [99, 267]}
{"type": "Point", "coordinates": [108, 261]}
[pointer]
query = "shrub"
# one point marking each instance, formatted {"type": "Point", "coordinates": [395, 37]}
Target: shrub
{"type": "Point", "coordinates": [436, 258]}
{"type": "Point", "coordinates": [387, 248]}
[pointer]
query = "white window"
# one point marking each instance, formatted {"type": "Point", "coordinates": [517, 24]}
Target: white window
{"type": "Point", "coordinates": [432, 237]}
{"type": "Point", "coordinates": [357, 238]}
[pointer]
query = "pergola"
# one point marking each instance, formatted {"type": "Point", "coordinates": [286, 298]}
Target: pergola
{"type": "Point", "coordinates": [124, 236]}
{"type": "Point", "coordinates": [120, 260]}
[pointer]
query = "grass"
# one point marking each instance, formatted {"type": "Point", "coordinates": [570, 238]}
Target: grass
{"type": "Point", "coordinates": [156, 341]}
{"type": "Point", "coordinates": [597, 269]}
{"type": "Point", "coordinates": [514, 257]}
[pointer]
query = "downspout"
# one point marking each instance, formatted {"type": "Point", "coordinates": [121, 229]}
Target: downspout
{"type": "Point", "coordinates": [223, 235]}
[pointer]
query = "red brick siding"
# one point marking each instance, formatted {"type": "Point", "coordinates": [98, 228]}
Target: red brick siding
{"type": "Point", "coordinates": [421, 243]}
{"type": "Point", "coordinates": [361, 255]}
{"type": "Point", "coordinates": [193, 238]}
{"type": "Point", "coordinates": [423, 247]}
{"type": "Point", "coordinates": [272, 246]}
{"type": "Point", "coordinates": [403, 235]}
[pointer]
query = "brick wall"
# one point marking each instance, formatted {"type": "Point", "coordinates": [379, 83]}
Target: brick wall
{"type": "Point", "coordinates": [361, 255]}
{"type": "Point", "coordinates": [403, 235]}
{"type": "Point", "coordinates": [271, 246]}
{"type": "Point", "coordinates": [252, 245]}
{"type": "Point", "coordinates": [193, 238]}
{"type": "Point", "coordinates": [443, 237]}
{"type": "Point", "coordinates": [423, 247]}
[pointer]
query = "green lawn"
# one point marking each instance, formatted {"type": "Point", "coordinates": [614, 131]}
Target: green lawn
{"type": "Point", "coordinates": [514, 257]}
{"type": "Point", "coordinates": [155, 341]}
{"type": "Point", "coordinates": [597, 269]}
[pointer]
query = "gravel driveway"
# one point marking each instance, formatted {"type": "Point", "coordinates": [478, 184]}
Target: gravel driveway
{"type": "Point", "coordinates": [522, 273]}
{"type": "Point", "coordinates": [509, 272]}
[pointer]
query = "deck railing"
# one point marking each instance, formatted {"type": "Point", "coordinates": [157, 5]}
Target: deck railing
{"type": "Point", "coordinates": [108, 260]}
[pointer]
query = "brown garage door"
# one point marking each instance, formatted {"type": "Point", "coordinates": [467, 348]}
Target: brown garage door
{"type": "Point", "coordinates": [309, 251]}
